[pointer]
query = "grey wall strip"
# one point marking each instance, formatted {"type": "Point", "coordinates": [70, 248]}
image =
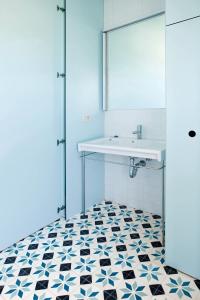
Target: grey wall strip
{"type": "Point", "coordinates": [134, 22]}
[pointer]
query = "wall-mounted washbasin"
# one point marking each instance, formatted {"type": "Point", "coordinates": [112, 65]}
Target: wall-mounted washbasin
{"type": "Point", "coordinates": [144, 148]}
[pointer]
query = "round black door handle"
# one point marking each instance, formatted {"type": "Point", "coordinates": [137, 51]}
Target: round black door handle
{"type": "Point", "coordinates": [192, 133]}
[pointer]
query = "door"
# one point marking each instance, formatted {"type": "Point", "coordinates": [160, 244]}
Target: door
{"type": "Point", "coordinates": [179, 10]}
{"type": "Point", "coordinates": [30, 98]}
{"type": "Point", "coordinates": [183, 147]}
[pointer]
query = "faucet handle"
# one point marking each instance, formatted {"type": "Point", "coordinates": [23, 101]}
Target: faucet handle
{"type": "Point", "coordinates": [138, 132]}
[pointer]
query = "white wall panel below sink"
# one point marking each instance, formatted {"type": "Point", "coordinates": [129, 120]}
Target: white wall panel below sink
{"type": "Point", "coordinates": [142, 192]}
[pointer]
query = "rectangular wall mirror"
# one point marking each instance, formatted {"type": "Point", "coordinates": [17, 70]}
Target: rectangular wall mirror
{"type": "Point", "coordinates": [134, 65]}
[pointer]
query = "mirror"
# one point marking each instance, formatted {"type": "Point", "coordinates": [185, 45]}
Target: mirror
{"type": "Point", "coordinates": [134, 65]}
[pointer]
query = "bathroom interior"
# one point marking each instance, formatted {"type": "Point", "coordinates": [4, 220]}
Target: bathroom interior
{"type": "Point", "coordinates": [99, 156]}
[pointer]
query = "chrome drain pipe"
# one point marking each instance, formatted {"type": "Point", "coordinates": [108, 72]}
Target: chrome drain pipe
{"type": "Point", "coordinates": [133, 167]}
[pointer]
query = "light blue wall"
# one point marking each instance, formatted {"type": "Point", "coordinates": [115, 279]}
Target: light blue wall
{"type": "Point", "coordinates": [30, 161]}
{"type": "Point", "coordinates": [84, 97]}
{"type": "Point", "coordinates": [183, 164]}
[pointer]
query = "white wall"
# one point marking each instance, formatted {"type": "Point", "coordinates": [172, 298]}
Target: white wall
{"type": "Point", "coordinates": [120, 12]}
{"type": "Point", "coordinates": [145, 191]}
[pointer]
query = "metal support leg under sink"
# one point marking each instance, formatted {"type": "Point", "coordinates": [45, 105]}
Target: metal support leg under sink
{"type": "Point", "coordinates": [83, 180]}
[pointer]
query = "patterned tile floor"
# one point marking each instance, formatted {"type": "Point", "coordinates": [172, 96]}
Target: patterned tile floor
{"type": "Point", "coordinates": [111, 253]}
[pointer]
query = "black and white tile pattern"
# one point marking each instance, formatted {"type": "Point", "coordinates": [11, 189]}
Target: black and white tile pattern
{"type": "Point", "coordinates": [110, 253]}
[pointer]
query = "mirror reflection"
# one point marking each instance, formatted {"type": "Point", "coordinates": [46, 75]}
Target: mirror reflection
{"type": "Point", "coordinates": [134, 69]}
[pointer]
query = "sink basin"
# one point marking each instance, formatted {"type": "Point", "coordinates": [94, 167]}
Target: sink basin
{"type": "Point", "coordinates": [151, 149]}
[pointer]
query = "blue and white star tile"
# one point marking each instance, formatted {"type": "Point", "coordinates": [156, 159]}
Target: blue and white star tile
{"type": "Point", "coordinates": [113, 252]}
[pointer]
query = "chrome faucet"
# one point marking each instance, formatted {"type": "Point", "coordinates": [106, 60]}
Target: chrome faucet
{"type": "Point", "coordinates": [138, 132]}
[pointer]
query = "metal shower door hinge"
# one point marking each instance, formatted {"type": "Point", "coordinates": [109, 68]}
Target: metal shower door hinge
{"type": "Point", "coordinates": [60, 8]}
{"type": "Point", "coordinates": [60, 142]}
{"type": "Point", "coordinates": [59, 209]}
{"type": "Point", "coordinates": [60, 75]}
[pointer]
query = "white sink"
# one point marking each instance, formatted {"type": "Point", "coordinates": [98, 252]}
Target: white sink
{"type": "Point", "coordinates": [151, 149]}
